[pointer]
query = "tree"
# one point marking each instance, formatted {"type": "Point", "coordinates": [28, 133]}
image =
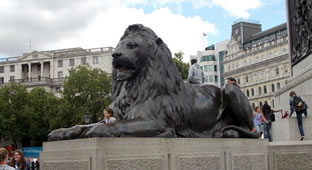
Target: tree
{"type": "Point", "coordinates": [14, 113]}
{"type": "Point", "coordinates": [86, 90]}
{"type": "Point", "coordinates": [44, 108]}
{"type": "Point", "coordinates": [182, 67]}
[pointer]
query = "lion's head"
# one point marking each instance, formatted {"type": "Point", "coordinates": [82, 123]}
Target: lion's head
{"type": "Point", "coordinates": [137, 49]}
{"type": "Point", "coordinates": [142, 68]}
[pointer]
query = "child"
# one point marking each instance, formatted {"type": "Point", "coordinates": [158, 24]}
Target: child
{"type": "Point", "coordinates": [108, 116]}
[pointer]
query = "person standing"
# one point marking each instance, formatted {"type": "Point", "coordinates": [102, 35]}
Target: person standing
{"type": "Point", "coordinates": [268, 114]}
{"type": "Point", "coordinates": [18, 161]}
{"type": "Point", "coordinates": [300, 107]}
{"type": "Point", "coordinates": [195, 75]}
{"type": "Point", "coordinates": [258, 115]}
{"type": "Point", "coordinates": [4, 156]}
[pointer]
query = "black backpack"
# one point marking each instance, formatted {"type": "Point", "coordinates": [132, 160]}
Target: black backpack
{"type": "Point", "coordinates": [298, 103]}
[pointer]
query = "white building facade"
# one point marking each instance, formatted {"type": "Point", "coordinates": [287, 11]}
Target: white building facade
{"type": "Point", "coordinates": [48, 69]}
{"type": "Point", "coordinates": [258, 60]}
{"type": "Point", "coordinates": [211, 62]}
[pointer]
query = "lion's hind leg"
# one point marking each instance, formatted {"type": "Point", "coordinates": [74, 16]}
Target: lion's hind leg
{"type": "Point", "coordinates": [237, 106]}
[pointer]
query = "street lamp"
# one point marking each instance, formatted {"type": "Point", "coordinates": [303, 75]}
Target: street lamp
{"type": "Point", "coordinates": [86, 118]}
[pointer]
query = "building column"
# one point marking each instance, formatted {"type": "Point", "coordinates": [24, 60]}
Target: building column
{"type": "Point", "coordinates": [51, 69]}
{"type": "Point", "coordinates": [29, 71]}
{"type": "Point", "coordinates": [41, 69]}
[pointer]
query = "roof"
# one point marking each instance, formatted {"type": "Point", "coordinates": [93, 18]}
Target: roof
{"type": "Point", "coordinates": [267, 32]}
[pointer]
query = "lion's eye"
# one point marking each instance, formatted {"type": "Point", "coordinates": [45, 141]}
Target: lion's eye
{"type": "Point", "coordinates": [132, 46]}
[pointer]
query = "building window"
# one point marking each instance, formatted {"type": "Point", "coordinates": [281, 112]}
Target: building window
{"type": "Point", "coordinates": [257, 58]}
{"type": "Point", "coordinates": [264, 75]}
{"type": "Point", "coordinates": [278, 85]}
{"type": "Point", "coordinates": [38, 67]}
{"type": "Point", "coordinates": [208, 58]}
{"type": "Point", "coordinates": [272, 73]}
{"type": "Point", "coordinates": [262, 57]}
{"type": "Point", "coordinates": [277, 70]}
{"type": "Point", "coordinates": [247, 93]}
{"type": "Point", "coordinates": [71, 62]}
{"type": "Point", "coordinates": [246, 78]}
{"type": "Point", "coordinates": [270, 55]}
{"type": "Point", "coordinates": [286, 68]}
{"type": "Point", "coordinates": [60, 74]}
{"type": "Point", "coordinates": [252, 92]}
{"type": "Point", "coordinates": [259, 76]}
{"type": "Point", "coordinates": [238, 80]}
{"type": "Point", "coordinates": [216, 79]}
{"type": "Point", "coordinates": [259, 90]}
{"type": "Point", "coordinates": [215, 68]}
{"type": "Point", "coordinates": [95, 60]}
{"type": "Point", "coordinates": [260, 104]}
{"type": "Point", "coordinates": [284, 51]}
{"type": "Point", "coordinates": [273, 88]}
{"type": "Point", "coordinates": [12, 68]}
{"type": "Point", "coordinates": [83, 60]}
{"type": "Point", "coordinates": [253, 106]}
{"type": "Point", "coordinates": [275, 53]}
{"type": "Point", "coordinates": [210, 68]}
{"type": "Point", "coordinates": [250, 61]}
{"type": "Point", "coordinates": [12, 78]}
{"type": "Point", "coordinates": [211, 78]}
{"type": "Point", "coordinates": [1, 69]}
{"type": "Point", "coordinates": [251, 77]}
{"type": "Point", "coordinates": [229, 67]}
{"type": "Point", "coordinates": [206, 79]}
{"type": "Point", "coordinates": [206, 68]}
{"type": "Point", "coordinates": [59, 63]}
{"type": "Point", "coordinates": [245, 63]}
{"type": "Point", "coordinates": [237, 65]}
{"type": "Point", "coordinates": [264, 89]}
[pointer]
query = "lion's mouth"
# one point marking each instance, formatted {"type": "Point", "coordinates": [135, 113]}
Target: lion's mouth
{"type": "Point", "coordinates": [120, 68]}
{"type": "Point", "coordinates": [125, 70]}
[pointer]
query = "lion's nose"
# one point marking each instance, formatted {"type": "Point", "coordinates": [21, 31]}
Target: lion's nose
{"type": "Point", "coordinates": [116, 54]}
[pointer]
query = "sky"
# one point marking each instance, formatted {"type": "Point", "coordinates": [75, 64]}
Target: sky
{"type": "Point", "coordinates": [29, 25]}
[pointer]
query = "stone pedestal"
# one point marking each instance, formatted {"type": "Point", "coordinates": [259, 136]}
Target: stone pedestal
{"type": "Point", "coordinates": [155, 154]}
{"type": "Point", "coordinates": [287, 129]}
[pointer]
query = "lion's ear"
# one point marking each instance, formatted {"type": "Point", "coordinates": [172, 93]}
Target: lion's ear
{"type": "Point", "coordinates": [159, 41]}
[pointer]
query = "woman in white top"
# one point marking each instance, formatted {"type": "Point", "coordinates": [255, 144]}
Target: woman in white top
{"type": "Point", "coordinates": [108, 116]}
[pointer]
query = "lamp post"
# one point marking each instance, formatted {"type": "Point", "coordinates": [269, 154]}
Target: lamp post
{"type": "Point", "coordinates": [86, 118]}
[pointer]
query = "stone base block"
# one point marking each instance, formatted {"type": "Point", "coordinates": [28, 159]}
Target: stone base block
{"type": "Point", "coordinates": [287, 129]}
{"type": "Point", "coordinates": [155, 154]}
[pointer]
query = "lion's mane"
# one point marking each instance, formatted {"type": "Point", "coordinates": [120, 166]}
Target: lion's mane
{"type": "Point", "coordinates": [157, 91]}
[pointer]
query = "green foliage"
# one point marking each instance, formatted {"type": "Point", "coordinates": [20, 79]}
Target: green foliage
{"type": "Point", "coordinates": [182, 67]}
{"type": "Point", "coordinates": [86, 90]}
{"type": "Point", "coordinates": [30, 116]}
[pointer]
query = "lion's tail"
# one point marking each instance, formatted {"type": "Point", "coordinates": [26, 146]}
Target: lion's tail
{"type": "Point", "coordinates": [245, 132]}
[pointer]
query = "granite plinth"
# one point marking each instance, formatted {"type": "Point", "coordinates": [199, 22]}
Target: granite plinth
{"type": "Point", "coordinates": [287, 129]}
{"type": "Point", "coordinates": [155, 154]}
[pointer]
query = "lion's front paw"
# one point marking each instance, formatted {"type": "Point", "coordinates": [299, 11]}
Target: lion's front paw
{"type": "Point", "coordinates": [57, 134]}
{"type": "Point", "coordinates": [103, 130]}
{"type": "Point", "coordinates": [64, 134]}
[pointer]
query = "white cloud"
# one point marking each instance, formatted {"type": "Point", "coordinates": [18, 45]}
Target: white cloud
{"type": "Point", "coordinates": [178, 32]}
{"type": "Point", "coordinates": [93, 24]}
{"type": "Point", "coordinates": [238, 8]}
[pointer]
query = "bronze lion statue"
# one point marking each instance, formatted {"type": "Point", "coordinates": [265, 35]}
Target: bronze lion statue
{"type": "Point", "coordinates": [150, 99]}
